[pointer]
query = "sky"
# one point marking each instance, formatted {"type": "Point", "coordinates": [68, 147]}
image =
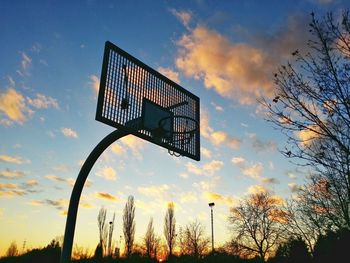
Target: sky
{"type": "Point", "coordinates": [225, 52]}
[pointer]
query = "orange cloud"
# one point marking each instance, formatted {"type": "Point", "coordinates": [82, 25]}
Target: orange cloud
{"type": "Point", "coordinates": [12, 159]}
{"type": "Point", "coordinates": [217, 138]}
{"type": "Point", "coordinates": [10, 174]}
{"type": "Point", "coordinates": [233, 70]}
{"type": "Point", "coordinates": [106, 196]}
{"type": "Point", "coordinates": [207, 169]}
{"type": "Point", "coordinates": [94, 84]}
{"type": "Point", "coordinates": [216, 197]}
{"type": "Point", "coordinates": [107, 173]}
{"type": "Point", "coordinates": [13, 106]}
{"type": "Point", "coordinates": [170, 74]}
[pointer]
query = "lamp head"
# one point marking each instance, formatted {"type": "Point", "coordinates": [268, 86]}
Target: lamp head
{"type": "Point", "coordinates": [211, 204]}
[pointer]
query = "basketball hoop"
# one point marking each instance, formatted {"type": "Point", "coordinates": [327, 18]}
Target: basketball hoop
{"type": "Point", "coordinates": [182, 132]}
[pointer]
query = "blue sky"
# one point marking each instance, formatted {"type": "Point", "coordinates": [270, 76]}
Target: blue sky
{"type": "Point", "coordinates": [225, 52]}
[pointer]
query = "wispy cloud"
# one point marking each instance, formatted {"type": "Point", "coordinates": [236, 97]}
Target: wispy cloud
{"type": "Point", "coordinates": [69, 181]}
{"type": "Point", "coordinates": [11, 174]}
{"type": "Point", "coordinates": [183, 16]}
{"type": "Point", "coordinates": [94, 84]}
{"type": "Point", "coordinates": [207, 169]}
{"type": "Point", "coordinates": [10, 190]}
{"type": "Point", "coordinates": [13, 159]}
{"type": "Point", "coordinates": [107, 173]}
{"type": "Point", "coordinates": [26, 63]}
{"type": "Point", "coordinates": [217, 138]}
{"type": "Point", "coordinates": [188, 197]}
{"type": "Point", "coordinates": [170, 74]}
{"type": "Point", "coordinates": [106, 196]}
{"type": "Point", "coordinates": [253, 170]}
{"type": "Point", "coordinates": [154, 190]}
{"type": "Point", "coordinates": [130, 142]}
{"type": "Point", "coordinates": [43, 102]}
{"type": "Point", "coordinates": [219, 198]}
{"type": "Point", "coordinates": [68, 132]}
{"type": "Point", "coordinates": [262, 146]}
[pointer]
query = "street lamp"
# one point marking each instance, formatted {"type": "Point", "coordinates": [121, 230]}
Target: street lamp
{"type": "Point", "coordinates": [212, 227]}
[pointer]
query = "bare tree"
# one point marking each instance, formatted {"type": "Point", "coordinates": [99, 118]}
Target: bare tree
{"type": "Point", "coordinates": [258, 224]}
{"type": "Point", "coordinates": [195, 243]}
{"type": "Point", "coordinates": [12, 251]}
{"type": "Point", "coordinates": [102, 228]}
{"type": "Point", "coordinates": [312, 108]}
{"type": "Point", "coordinates": [170, 228]}
{"type": "Point", "coordinates": [129, 225]}
{"type": "Point", "coordinates": [150, 240]}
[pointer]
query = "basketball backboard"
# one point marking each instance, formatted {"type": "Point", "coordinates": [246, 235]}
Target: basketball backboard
{"type": "Point", "coordinates": [137, 99]}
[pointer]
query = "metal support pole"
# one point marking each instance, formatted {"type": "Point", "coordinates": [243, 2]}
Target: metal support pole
{"type": "Point", "coordinates": [212, 231]}
{"type": "Point", "coordinates": [212, 226]}
{"type": "Point", "coordinates": [77, 189]}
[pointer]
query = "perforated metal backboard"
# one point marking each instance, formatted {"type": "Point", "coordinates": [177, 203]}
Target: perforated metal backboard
{"type": "Point", "coordinates": [137, 99]}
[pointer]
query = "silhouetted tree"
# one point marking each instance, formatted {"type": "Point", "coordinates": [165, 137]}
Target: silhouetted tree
{"type": "Point", "coordinates": [103, 229]}
{"type": "Point", "coordinates": [312, 107]}
{"type": "Point", "coordinates": [12, 250]}
{"type": "Point", "coordinates": [150, 239]}
{"type": "Point", "coordinates": [170, 228]}
{"type": "Point", "coordinates": [258, 224]}
{"type": "Point", "coordinates": [129, 225]}
{"type": "Point", "coordinates": [332, 247]}
{"type": "Point", "coordinates": [194, 242]}
{"type": "Point", "coordinates": [294, 250]}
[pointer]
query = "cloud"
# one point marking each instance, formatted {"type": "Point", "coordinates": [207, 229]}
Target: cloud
{"type": "Point", "coordinates": [238, 160]}
{"type": "Point", "coordinates": [13, 159]}
{"type": "Point", "coordinates": [10, 174]}
{"type": "Point", "coordinates": [13, 106]}
{"type": "Point", "coordinates": [188, 197]}
{"type": "Point", "coordinates": [118, 149]}
{"type": "Point", "coordinates": [308, 135]}
{"type": "Point", "coordinates": [260, 145]}
{"type": "Point", "coordinates": [208, 184]}
{"type": "Point", "coordinates": [68, 132]}
{"type": "Point", "coordinates": [217, 138]}
{"type": "Point", "coordinates": [43, 102]}
{"type": "Point", "coordinates": [69, 181]}
{"type": "Point", "coordinates": [254, 171]}
{"type": "Point", "coordinates": [207, 169]}
{"type": "Point", "coordinates": [205, 152]}
{"type": "Point", "coordinates": [107, 173]}
{"type": "Point", "coordinates": [59, 204]}
{"type": "Point", "coordinates": [26, 62]}
{"type": "Point", "coordinates": [270, 181]}
{"type": "Point", "coordinates": [106, 196]}
{"type": "Point", "coordinates": [133, 143]}
{"type": "Point", "coordinates": [220, 199]}
{"type": "Point", "coordinates": [154, 190]}
{"type": "Point", "coordinates": [10, 190]}
{"type": "Point", "coordinates": [183, 175]}
{"type": "Point", "coordinates": [94, 84]}
{"type": "Point", "coordinates": [183, 16]}
{"type": "Point", "coordinates": [255, 189]}
{"type": "Point", "coordinates": [234, 70]}
{"type": "Point", "coordinates": [170, 74]}
{"type": "Point", "coordinates": [239, 71]}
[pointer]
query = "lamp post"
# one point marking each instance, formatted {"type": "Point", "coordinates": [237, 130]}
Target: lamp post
{"type": "Point", "coordinates": [212, 227]}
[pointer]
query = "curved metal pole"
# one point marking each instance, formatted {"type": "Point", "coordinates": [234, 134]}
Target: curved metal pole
{"type": "Point", "coordinates": [77, 189]}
